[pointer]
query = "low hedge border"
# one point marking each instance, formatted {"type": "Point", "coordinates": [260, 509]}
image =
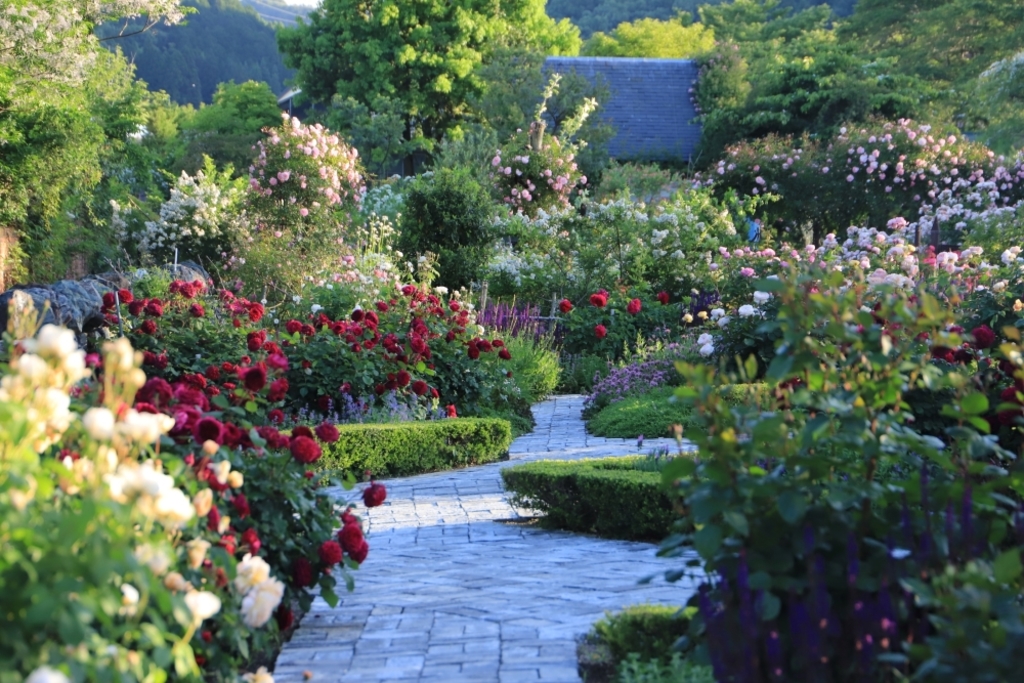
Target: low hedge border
{"type": "Point", "coordinates": [403, 448]}
{"type": "Point", "coordinates": [608, 496]}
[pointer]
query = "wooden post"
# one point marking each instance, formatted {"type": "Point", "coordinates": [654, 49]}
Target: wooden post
{"type": "Point", "coordinates": [483, 296]}
{"type": "Point", "coordinates": [554, 305]}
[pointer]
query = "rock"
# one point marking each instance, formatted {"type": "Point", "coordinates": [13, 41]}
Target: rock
{"type": "Point", "coordinates": [78, 304]}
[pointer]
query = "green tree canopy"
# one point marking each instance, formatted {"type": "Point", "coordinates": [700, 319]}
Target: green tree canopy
{"type": "Point", "coordinates": [421, 54]}
{"type": "Point", "coordinates": [676, 38]}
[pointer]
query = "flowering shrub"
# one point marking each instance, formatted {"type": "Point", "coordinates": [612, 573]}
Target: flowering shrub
{"type": "Point", "coordinates": [304, 187]}
{"type": "Point", "coordinates": [823, 571]}
{"type": "Point", "coordinates": [531, 173]}
{"type": "Point", "coordinates": [201, 220]}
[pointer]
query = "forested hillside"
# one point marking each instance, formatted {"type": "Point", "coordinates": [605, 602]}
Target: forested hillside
{"type": "Point", "coordinates": [279, 12]}
{"type": "Point", "coordinates": [604, 15]}
{"type": "Point", "coordinates": [223, 41]}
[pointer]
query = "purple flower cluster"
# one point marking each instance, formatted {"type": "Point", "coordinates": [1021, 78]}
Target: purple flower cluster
{"type": "Point", "coordinates": [513, 321]}
{"type": "Point", "coordinates": [631, 380]}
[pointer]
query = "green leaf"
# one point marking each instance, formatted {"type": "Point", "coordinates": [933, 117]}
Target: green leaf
{"type": "Point", "coordinates": [770, 606]}
{"type": "Point", "coordinates": [792, 506]}
{"type": "Point", "coordinates": [974, 404]}
{"type": "Point", "coordinates": [251, 407]}
{"type": "Point", "coordinates": [708, 540]}
{"type": "Point", "coordinates": [1007, 567]}
{"type": "Point", "coordinates": [220, 401]}
{"type": "Point", "coordinates": [738, 521]}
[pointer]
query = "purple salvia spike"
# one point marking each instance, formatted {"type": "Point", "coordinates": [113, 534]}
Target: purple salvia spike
{"type": "Point", "coordinates": [773, 655]}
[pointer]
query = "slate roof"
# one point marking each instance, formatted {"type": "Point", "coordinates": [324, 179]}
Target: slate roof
{"type": "Point", "coordinates": [649, 106]}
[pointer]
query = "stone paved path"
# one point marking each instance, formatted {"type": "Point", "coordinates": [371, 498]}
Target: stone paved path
{"type": "Point", "coordinates": [452, 591]}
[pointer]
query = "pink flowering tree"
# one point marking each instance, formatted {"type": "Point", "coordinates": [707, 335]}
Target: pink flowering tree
{"type": "Point", "coordinates": [304, 189]}
{"type": "Point", "coordinates": [533, 171]}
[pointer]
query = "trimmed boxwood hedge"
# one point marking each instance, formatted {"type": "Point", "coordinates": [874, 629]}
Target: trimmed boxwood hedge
{"type": "Point", "coordinates": [402, 448]}
{"type": "Point", "coordinates": [608, 496]}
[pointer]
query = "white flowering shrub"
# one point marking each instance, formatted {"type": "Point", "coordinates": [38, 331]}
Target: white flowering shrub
{"type": "Point", "coordinates": [202, 220]}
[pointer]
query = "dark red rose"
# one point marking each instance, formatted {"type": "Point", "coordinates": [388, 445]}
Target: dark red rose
{"type": "Point", "coordinates": [600, 300]}
{"type": "Point", "coordinates": [292, 326]}
{"type": "Point", "coordinates": [327, 433]}
{"type": "Point", "coordinates": [241, 505]}
{"type": "Point", "coordinates": [208, 429]}
{"type": "Point", "coordinates": [348, 518]}
{"type": "Point", "coordinates": [330, 553]}
{"type": "Point", "coordinates": [663, 298]}
{"type": "Point", "coordinates": [434, 393]}
{"type": "Point", "coordinates": [154, 308]}
{"type": "Point", "coordinates": [148, 327]}
{"type": "Point", "coordinates": [255, 378]}
{"type": "Point", "coordinates": [600, 331]}
{"type": "Point", "coordinates": [1010, 394]}
{"type": "Point", "coordinates": [278, 390]}
{"type": "Point", "coordinates": [212, 373]}
{"type": "Point", "coordinates": [504, 354]}
{"type": "Point", "coordinates": [324, 403]}
{"type": "Point", "coordinates": [565, 306]}
{"type": "Point", "coordinates": [251, 539]}
{"type": "Point", "coordinates": [374, 495]}
{"type": "Point", "coordinates": [276, 416]}
{"type": "Point", "coordinates": [382, 307]}
{"type": "Point", "coordinates": [302, 430]}
{"type": "Point", "coordinates": [284, 617]}
{"type": "Point", "coordinates": [307, 330]}
{"type": "Point", "coordinates": [403, 378]}
{"type": "Point", "coordinates": [136, 307]}
{"type": "Point", "coordinates": [206, 636]}
{"type": "Point", "coordinates": [156, 391]}
{"type": "Point", "coordinates": [473, 352]}
{"type": "Point", "coordinates": [984, 337]}
{"type": "Point", "coordinates": [256, 311]}
{"type": "Point", "coordinates": [108, 301]}
{"type": "Point", "coordinates": [125, 296]}
{"type": "Point", "coordinates": [302, 573]}
{"type": "Point", "coordinates": [346, 388]}
{"type": "Point", "coordinates": [419, 387]}
{"type": "Point", "coordinates": [359, 554]}
{"type": "Point", "coordinates": [254, 340]}
{"type": "Point", "coordinates": [197, 310]}
{"type": "Point", "coordinates": [633, 307]}
{"type": "Point", "coordinates": [305, 449]}
{"type": "Point", "coordinates": [213, 519]}
{"type": "Point", "coordinates": [357, 315]}
{"type": "Point", "coordinates": [350, 537]}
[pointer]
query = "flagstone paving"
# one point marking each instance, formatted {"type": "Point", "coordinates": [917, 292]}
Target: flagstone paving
{"type": "Point", "coordinates": [457, 587]}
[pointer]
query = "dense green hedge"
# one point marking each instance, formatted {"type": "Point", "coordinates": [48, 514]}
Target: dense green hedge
{"type": "Point", "coordinates": [608, 496]}
{"type": "Point", "coordinates": [396, 449]}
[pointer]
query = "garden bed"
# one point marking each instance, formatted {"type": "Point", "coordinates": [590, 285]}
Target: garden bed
{"type": "Point", "coordinates": [612, 497]}
{"type": "Point", "coordinates": [400, 449]}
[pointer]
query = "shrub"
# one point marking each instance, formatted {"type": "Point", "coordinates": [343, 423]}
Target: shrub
{"type": "Point", "coordinates": [581, 371]}
{"type": "Point", "coordinates": [651, 414]}
{"type": "Point", "coordinates": [648, 631]}
{"type": "Point", "coordinates": [677, 670]}
{"type": "Point", "coordinates": [413, 447]}
{"type": "Point", "coordinates": [608, 497]}
{"type": "Point", "coordinates": [643, 182]}
{"type": "Point", "coordinates": [534, 366]}
{"type": "Point", "coordinates": [449, 213]}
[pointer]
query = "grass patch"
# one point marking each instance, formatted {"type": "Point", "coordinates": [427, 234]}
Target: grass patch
{"type": "Point", "coordinates": [612, 497]}
{"type": "Point", "coordinates": [403, 448]}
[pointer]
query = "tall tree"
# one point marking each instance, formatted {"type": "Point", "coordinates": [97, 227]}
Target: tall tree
{"type": "Point", "coordinates": [420, 54]}
{"type": "Point", "coordinates": [677, 38]}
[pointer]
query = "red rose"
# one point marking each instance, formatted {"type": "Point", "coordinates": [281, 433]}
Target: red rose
{"type": "Point", "coordinates": [228, 542]}
{"type": "Point", "coordinates": [213, 519]}
{"type": "Point", "coordinates": [241, 505]}
{"type": "Point", "coordinates": [206, 636]}
{"type": "Point", "coordinates": [136, 307]}
{"type": "Point", "coordinates": [108, 301]}
{"type": "Point", "coordinates": [302, 430]}
{"type": "Point", "coordinates": [663, 298]}
{"type": "Point", "coordinates": [600, 300]}
{"type": "Point", "coordinates": [600, 331]}
{"type": "Point", "coordinates": [330, 553]}
{"type": "Point", "coordinates": [292, 326]}
{"type": "Point", "coordinates": [278, 390]}
{"type": "Point", "coordinates": [255, 378]}
{"type": "Point", "coordinates": [473, 352]}
{"type": "Point", "coordinates": [504, 354]}
{"type": "Point", "coordinates": [451, 411]}
{"type": "Point", "coordinates": [148, 327]}
{"type": "Point", "coordinates": [633, 307]}
{"type": "Point", "coordinates": [1009, 394]}
{"type": "Point", "coordinates": [382, 307]}
{"type": "Point", "coordinates": [984, 337]}
{"type": "Point", "coordinates": [302, 573]}
{"type": "Point", "coordinates": [409, 290]}
{"type": "Point", "coordinates": [276, 416]}
{"type": "Point", "coordinates": [254, 340]}
{"type": "Point", "coordinates": [350, 537]}
{"type": "Point", "coordinates": [256, 311]}
{"type": "Point", "coordinates": [357, 315]}
{"type": "Point", "coordinates": [324, 403]}
{"type": "Point", "coordinates": [212, 372]}
{"type": "Point", "coordinates": [327, 433]}
{"type": "Point", "coordinates": [305, 449]}
{"type": "Point", "coordinates": [154, 308]}
{"type": "Point", "coordinates": [359, 554]}
{"type": "Point", "coordinates": [374, 495]}
{"type": "Point", "coordinates": [565, 306]}
{"type": "Point", "coordinates": [484, 346]}
{"type": "Point", "coordinates": [251, 539]}
{"type": "Point", "coordinates": [403, 378]}
{"type": "Point", "coordinates": [284, 617]}
{"type": "Point", "coordinates": [208, 429]}
{"type": "Point", "coordinates": [125, 296]}
{"type": "Point", "coordinates": [434, 393]}
{"type": "Point", "coordinates": [197, 310]}
{"type": "Point", "coordinates": [419, 387]}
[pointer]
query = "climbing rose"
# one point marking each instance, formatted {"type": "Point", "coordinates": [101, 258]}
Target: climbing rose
{"type": "Point", "coordinates": [330, 553]}
{"type": "Point", "coordinates": [565, 306]}
{"type": "Point", "coordinates": [403, 378]}
{"type": "Point", "coordinates": [327, 432]}
{"type": "Point", "coordinates": [305, 450]}
{"type": "Point", "coordinates": [284, 617]}
{"type": "Point", "coordinates": [154, 308]}
{"type": "Point", "coordinates": [148, 327]}
{"type": "Point", "coordinates": [292, 326]}
{"type": "Point", "coordinates": [302, 572]}
{"type": "Point", "coordinates": [633, 307]}
{"type": "Point", "coordinates": [241, 505]}
{"type": "Point", "coordinates": [663, 298]}
{"type": "Point", "coordinates": [208, 429]}
{"type": "Point", "coordinates": [359, 554]}
{"type": "Point", "coordinates": [600, 331]}
{"type": "Point", "coordinates": [276, 416]}
{"type": "Point", "coordinates": [255, 378]}
{"type": "Point", "coordinates": [419, 387]}
{"type": "Point", "coordinates": [984, 337]}
{"type": "Point", "coordinates": [251, 539]}
{"type": "Point", "coordinates": [600, 300]}
{"type": "Point", "coordinates": [197, 310]}
{"type": "Point", "coordinates": [374, 495]}
{"type": "Point", "coordinates": [302, 430]}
